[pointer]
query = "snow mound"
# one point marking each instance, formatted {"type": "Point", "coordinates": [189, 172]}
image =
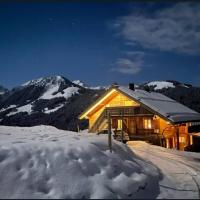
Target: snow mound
{"type": "Point", "coordinates": [44, 162]}
{"type": "Point", "coordinates": [161, 84]}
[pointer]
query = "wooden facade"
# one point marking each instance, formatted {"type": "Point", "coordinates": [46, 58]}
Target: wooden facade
{"type": "Point", "coordinates": [131, 119]}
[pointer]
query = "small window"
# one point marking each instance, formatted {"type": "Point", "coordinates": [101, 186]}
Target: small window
{"type": "Point", "coordinates": [147, 124]}
{"type": "Point", "coordinates": [182, 139]}
{"type": "Point", "coordinates": [119, 124]}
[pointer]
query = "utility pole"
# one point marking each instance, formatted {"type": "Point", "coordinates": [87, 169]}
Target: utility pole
{"type": "Point", "coordinates": [109, 133]}
{"type": "Point", "coordinates": [122, 130]}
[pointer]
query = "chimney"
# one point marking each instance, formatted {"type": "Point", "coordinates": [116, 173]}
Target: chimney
{"type": "Point", "coordinates": [131, 86]}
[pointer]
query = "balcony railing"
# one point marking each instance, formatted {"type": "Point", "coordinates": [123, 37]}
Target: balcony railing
{"type": "Point", "coordinates": [118, 111]}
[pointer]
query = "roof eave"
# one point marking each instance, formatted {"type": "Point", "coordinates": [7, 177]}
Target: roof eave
{"type": "Point", "coordinates": [95, 102]}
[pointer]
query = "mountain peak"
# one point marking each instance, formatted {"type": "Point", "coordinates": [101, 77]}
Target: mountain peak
{"type": "Point", "coordinates": [80, 83]}
{"type": "Point", "coordinates": [159, 85]}
{"type": "Point", "coordinates": [49, 80]}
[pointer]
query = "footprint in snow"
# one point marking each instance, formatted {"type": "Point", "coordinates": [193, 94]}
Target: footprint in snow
{"type": "Point", "coordinates": [17, 142]}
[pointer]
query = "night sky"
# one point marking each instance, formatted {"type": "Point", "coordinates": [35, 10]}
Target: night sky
{"type": "Point", "coordinates": [100, 43]}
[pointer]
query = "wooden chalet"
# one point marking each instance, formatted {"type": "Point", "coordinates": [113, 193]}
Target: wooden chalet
{"type": "Point", "coordinates": [139, 114]}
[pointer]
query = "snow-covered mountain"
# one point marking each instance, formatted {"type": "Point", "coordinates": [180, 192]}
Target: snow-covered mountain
{"type": "Point", "coordinates": [159, 85]}
{"type": "Point", "coordinates": [182, 92]}
{"type": "Point", "coordinates": [57, 101]}
{"type": "Point", "coordinates": [50, 100]}
{"type": "Point", "coordinates": [80, 83]}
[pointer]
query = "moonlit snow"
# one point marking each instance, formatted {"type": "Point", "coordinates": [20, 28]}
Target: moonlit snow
{"type": "Point", "coordinates": [180, 170]}
{"type": "Point", "coordinates": [47, 111]}
{"type": "Point", "coordinates": [159, 85]}
{"type": "Point", "coordinates": [67, 93]}
{"type": "Point", "coordinates": [44, 162]}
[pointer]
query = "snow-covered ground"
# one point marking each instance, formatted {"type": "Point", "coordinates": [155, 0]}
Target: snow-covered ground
{"type": "Point", "coordinates": [44, 162]}
{"type": "Point", "coordinates": [180, 170]}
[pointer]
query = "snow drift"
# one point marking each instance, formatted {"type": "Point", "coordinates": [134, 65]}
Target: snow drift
{"type": "Point", "coordinates": [44, 162]}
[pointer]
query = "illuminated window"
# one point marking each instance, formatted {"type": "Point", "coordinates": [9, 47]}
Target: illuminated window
{"type": "Point", "coordinates": [147, 124]}
{"type": "Point", "coordinates": [182, 139]}
{"type": "Point", "coordinates": [119, 124]}
{"type": "Point", "coordinates": [156, 130]}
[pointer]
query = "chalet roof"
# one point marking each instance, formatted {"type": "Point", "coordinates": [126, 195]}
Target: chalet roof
{"type": "Point", "coordinates": [163, 105]}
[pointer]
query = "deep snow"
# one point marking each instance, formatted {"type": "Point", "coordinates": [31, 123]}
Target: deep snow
{"type": "Point", "coordinates": [44, 162]}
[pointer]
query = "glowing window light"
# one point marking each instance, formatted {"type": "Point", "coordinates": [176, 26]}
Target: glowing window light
{"type": "Point", "coordinates": [119, 124]}
{"type": "Point", "coordinates": [147, 124]}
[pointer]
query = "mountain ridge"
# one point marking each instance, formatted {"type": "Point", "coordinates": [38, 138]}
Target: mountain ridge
{"type": "Point", "coordinates": [57, 101]}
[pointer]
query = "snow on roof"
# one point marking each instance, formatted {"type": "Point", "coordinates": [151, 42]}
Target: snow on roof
{"type": "Point", "coordinates": [165, 106]}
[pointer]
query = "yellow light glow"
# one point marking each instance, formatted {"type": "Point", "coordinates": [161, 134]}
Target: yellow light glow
{"type": "Point", "coordinates": [147, 124]}
{"type": "Point", "coordinates": [119, 124]}
{"type": "Point", "coordinates": [98, 103]}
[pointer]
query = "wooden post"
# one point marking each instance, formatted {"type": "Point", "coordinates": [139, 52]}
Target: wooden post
{"type": "Point", "coordinates": [78, 128]}
{"type": "Point", "coordinates": [177, 138]}
{"type": "Point", "coordinates": [122, 131]}
{"type": "Point", "coordinates": [109, 133]}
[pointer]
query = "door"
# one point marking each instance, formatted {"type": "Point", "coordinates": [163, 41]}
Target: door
{"type": "Point", "coordinates": [132, 126]}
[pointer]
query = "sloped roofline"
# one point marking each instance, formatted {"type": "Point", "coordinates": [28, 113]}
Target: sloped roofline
{"type": "Point", "coordinates": [117, 88]}
{"type": "Point", "coordinates": [130, 97]}
{"type": "Point", "coordinates": [145, 106]}
{"type": "Point", "coordinates": [97, 100]}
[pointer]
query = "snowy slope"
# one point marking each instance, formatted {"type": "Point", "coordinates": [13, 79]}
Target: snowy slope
{"type": "Point", "coordinates": [80, 83]}
{"type": "Point", "coordinates": [180, 170]}
{"type": "Point", "coordinates": [27, 108]}
{"type": "Point", "coordinates": [44, 162]}
{"type": "Point", "coordinates": [158, 85]}
{"type": "Point", "coordinates": [52, 100]}
{"type": "Point", "coordinates": [52, 86]}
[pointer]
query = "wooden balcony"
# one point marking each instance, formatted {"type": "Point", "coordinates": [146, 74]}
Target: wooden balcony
{"type": "Point", "coordinates": [125, 111]}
